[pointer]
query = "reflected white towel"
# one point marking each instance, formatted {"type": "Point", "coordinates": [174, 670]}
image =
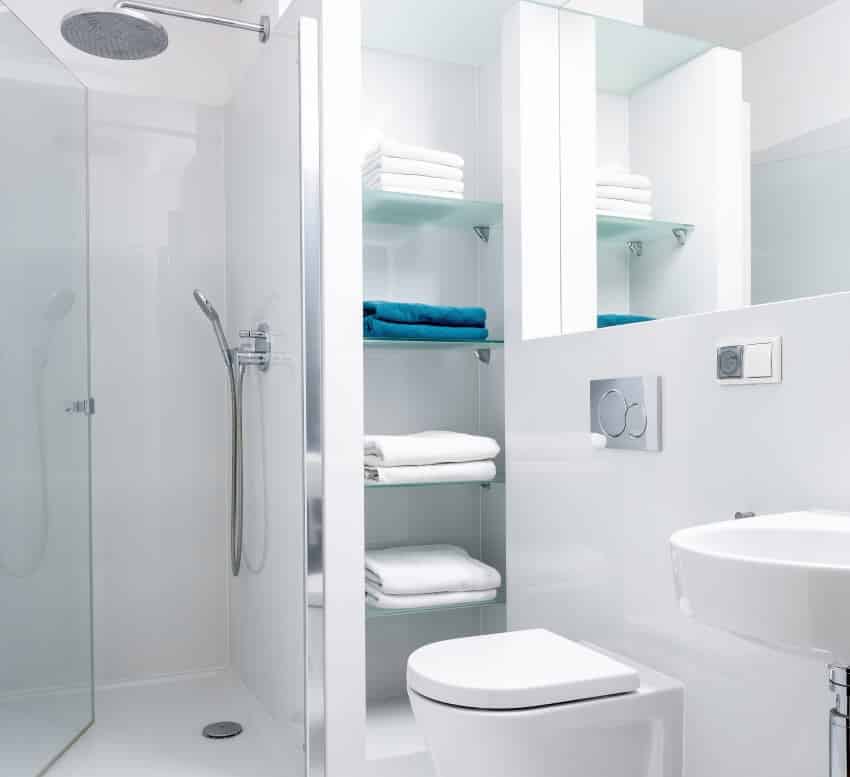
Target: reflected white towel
{"type": "Point", "coordinates": [632, 210]}
{"type": "Point", "coordinates": [382, 601]}
{"type": "Point", "coordinates": [624, 193]}
{"type": "Point", "coordinates": [403, 151]}
{"type": "Point", "coordinates": [433, 447]}
{"type": "Point", "coordinates": [428, 569]}
{"type": "Point", "coordinates": [465, 472]}
{"type": "Point", "coordinates": [425, 183]}
{"type": "Point", "coordinates": [389, 164]}
{"type": "Point", "coordinates": [618, 176]}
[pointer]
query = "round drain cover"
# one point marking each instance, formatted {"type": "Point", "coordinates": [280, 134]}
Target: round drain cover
{"type": "Point", "coordinates": [223, 730]}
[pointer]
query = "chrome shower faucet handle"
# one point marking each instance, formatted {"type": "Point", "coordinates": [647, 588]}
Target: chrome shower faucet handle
{"type": "Point", "coordinates": [256, 347]}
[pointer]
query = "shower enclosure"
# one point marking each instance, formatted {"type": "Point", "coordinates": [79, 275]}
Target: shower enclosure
{"type": "Point", "coordinates": [45, 581]}
{"type": "Point", "coordinates": [255, 201]}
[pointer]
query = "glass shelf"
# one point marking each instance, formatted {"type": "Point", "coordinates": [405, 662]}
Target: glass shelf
{"type": "Point", "coordinates": [625, 230]}
{"type": "Point", "coordinates": [481, 483]}
{"type": "Point", "coordinates": [418, 210]}
{"type": "Point", "coordinates": [460, 345]}
{"type": "Point", "coordinates": [376, 612]}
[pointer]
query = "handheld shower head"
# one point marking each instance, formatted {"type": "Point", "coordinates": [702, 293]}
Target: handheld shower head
{"type": "Point", "coordinates": [212, 316]}
{"type": "Point", "coordinates": [59, 305]}
{"type": "Point", "coordinates": [205, 305]}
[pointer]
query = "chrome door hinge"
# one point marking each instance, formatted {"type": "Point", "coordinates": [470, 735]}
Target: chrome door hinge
{"type": "Point", "coordinates": [81, 406]}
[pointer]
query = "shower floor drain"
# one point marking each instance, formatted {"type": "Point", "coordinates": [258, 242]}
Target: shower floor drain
{"type": "Point", "coordinates": [224, 730]}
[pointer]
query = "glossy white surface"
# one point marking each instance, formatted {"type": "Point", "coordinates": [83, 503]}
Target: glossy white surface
{"type": "Point", "coordinates": [160, 435]}
{"type": "Point", "coordinates": [633, 735]}
{"type": "Point", "coordinates": [781, 580]}
{"type": "Point", "coordinates": [588, 530]}
{"type": "Point", "coordinates": [264, 286]}
{"type": "Point", "coordinates": [514, 670]}
{"type": "Point", "coordinates": [154, 729]}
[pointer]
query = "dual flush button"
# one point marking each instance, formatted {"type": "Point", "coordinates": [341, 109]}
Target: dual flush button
{"type": "Point", "coordinates": [626, 412]}
{"type": "Point", "coordinates": [618, 416]}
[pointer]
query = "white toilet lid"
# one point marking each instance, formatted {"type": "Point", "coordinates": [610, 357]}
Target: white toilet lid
{"type": "Point", "coordinates": [515, 670]}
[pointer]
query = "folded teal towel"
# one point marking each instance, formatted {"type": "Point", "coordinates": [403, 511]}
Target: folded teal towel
{"type": "Point", "coordinates": [386, 330]}
{"type": "Point", "coordinates": [618, 319]}
{"type": "Point", "coordinates": [433, 315]}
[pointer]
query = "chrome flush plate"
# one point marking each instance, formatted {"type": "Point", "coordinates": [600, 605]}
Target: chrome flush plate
{"type": "Point", "coordinates": [626, 412]}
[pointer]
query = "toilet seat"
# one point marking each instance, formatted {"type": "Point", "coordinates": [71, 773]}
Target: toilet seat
{"type": "Point", "coordinates": [515, 670]}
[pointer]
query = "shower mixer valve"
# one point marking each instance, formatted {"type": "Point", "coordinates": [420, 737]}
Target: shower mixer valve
{"type": "Point", "coordinates": [256, 347]}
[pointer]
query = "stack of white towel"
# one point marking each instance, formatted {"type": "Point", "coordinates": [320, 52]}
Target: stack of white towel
{"type": "Point", "coordinates": [425, 576]}
{"type": "Point", "coordinates": [395, 167]}
{"type": "Point", "coordinates": [429, 457]}
{"type": "Point", "coordinates": [620, 192]}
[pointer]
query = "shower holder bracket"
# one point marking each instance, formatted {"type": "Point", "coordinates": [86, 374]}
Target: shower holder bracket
{"type": "Point", "coordinates": [681, 234]}
{"type": "Point", "coordinates": [80, 406]}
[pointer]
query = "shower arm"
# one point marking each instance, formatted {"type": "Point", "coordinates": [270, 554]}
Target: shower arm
{"type": "Point", "coordinates": [263, 29]}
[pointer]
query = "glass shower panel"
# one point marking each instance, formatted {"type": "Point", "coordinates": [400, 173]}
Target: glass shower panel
{"type": "Point", "coordinates": [45, 580]}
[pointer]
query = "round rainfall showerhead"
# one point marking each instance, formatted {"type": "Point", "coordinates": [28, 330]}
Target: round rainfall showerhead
{"type": "Point", "coordinates": [118, 33]}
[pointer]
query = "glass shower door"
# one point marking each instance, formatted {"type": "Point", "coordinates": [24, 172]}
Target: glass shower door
{"type": "Point", "coordinates": [45, 548]}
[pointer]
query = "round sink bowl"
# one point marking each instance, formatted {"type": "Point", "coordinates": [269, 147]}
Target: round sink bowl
{"type": "Point", "coordinates": [779, 580]}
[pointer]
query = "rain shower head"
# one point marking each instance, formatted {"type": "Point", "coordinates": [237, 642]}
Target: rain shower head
{"type": "Point", "coordinates": [119, 33]}
{"type": "Point", "coordinates": [125, 32]}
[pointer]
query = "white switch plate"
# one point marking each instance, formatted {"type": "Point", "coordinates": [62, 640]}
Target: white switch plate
{"type": "Point", "coordinates": [757, 345]}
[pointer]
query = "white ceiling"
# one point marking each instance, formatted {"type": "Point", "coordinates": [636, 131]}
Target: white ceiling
{"type": "Point", "coordinates": [203, 61]}
{"type": "Point", "coordinates": [733, 23]}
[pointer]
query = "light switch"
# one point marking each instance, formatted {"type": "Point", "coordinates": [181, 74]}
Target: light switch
{"type": "Point", "coordinates": [758, 360]}
{"type": "Point", "coordinates": [743, 361]}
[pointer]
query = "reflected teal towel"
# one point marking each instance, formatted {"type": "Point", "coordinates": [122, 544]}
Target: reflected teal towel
{"type": "Point", "coordinates": [618, 319]}
{"type": "Point", "coordinates": [432, 315]}
{"type": "Point", "coordinates": [374, 327]}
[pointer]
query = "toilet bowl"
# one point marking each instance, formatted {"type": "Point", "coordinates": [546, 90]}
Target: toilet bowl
{"type": "Point", "coordinates": [534, 704]}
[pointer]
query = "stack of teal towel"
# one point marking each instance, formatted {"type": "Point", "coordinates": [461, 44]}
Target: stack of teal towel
{"type": "Point", "coordinates": [414, 321]}
{"type": "Point", "coordinates": [619, 319]}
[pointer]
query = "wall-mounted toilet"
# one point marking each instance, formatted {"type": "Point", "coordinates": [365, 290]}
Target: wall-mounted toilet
{"type": "Point", "coordinates": [534, 704]}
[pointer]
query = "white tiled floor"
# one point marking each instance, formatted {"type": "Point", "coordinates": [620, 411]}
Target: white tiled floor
{"type": "Point", "coordinates": [154, 730]}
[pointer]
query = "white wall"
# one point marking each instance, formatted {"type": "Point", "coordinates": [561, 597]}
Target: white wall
{"type": "Point", "coordinates": [794, 78]}
{"type": "Point", "coordinates": [160, 435]}
{"type": "Point", "coordinates": [588, 529]}
{"type": "Point", "coordinates": [264, 285]}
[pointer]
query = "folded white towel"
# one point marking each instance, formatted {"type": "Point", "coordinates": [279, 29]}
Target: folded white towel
{"type": "Point", "coordinates": [635, 210]}
{"type": "Point", "coordinates": [375, 598]}
{"type": "Point", "coordinates": [433, 447]}
{"type": "Point", "coordinates": [425, 183]}
{"type": "Point", "coordinates": [618, 176]}
{"type": "Point", "coordinates": [389, 164]}
{"type": "Point", "coordinates": [464, 472]}
{"type": "Point", "coordinates": [624, 193]}
{"type": "Point", "coordinates": [428, 569]}
{"type": "Point", "coordinates": [403, 151]}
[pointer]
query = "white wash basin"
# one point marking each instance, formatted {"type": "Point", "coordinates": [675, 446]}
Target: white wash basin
{"type": "Point", "coordinates": [780, 580]}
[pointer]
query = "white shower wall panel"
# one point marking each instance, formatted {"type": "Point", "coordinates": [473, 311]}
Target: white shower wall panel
{"type": "Point", "coordinates": [159, 437]}
{"type": "Point", "coordinates": [264, 285]}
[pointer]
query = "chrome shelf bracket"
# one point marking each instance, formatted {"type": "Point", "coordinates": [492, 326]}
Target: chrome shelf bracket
{"type": "Point", "coordinates": [681, 234]}
{"type": "Point", "coordinates": [636, 247]}
{"type": "Point", "coordinates": [483, 233]}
